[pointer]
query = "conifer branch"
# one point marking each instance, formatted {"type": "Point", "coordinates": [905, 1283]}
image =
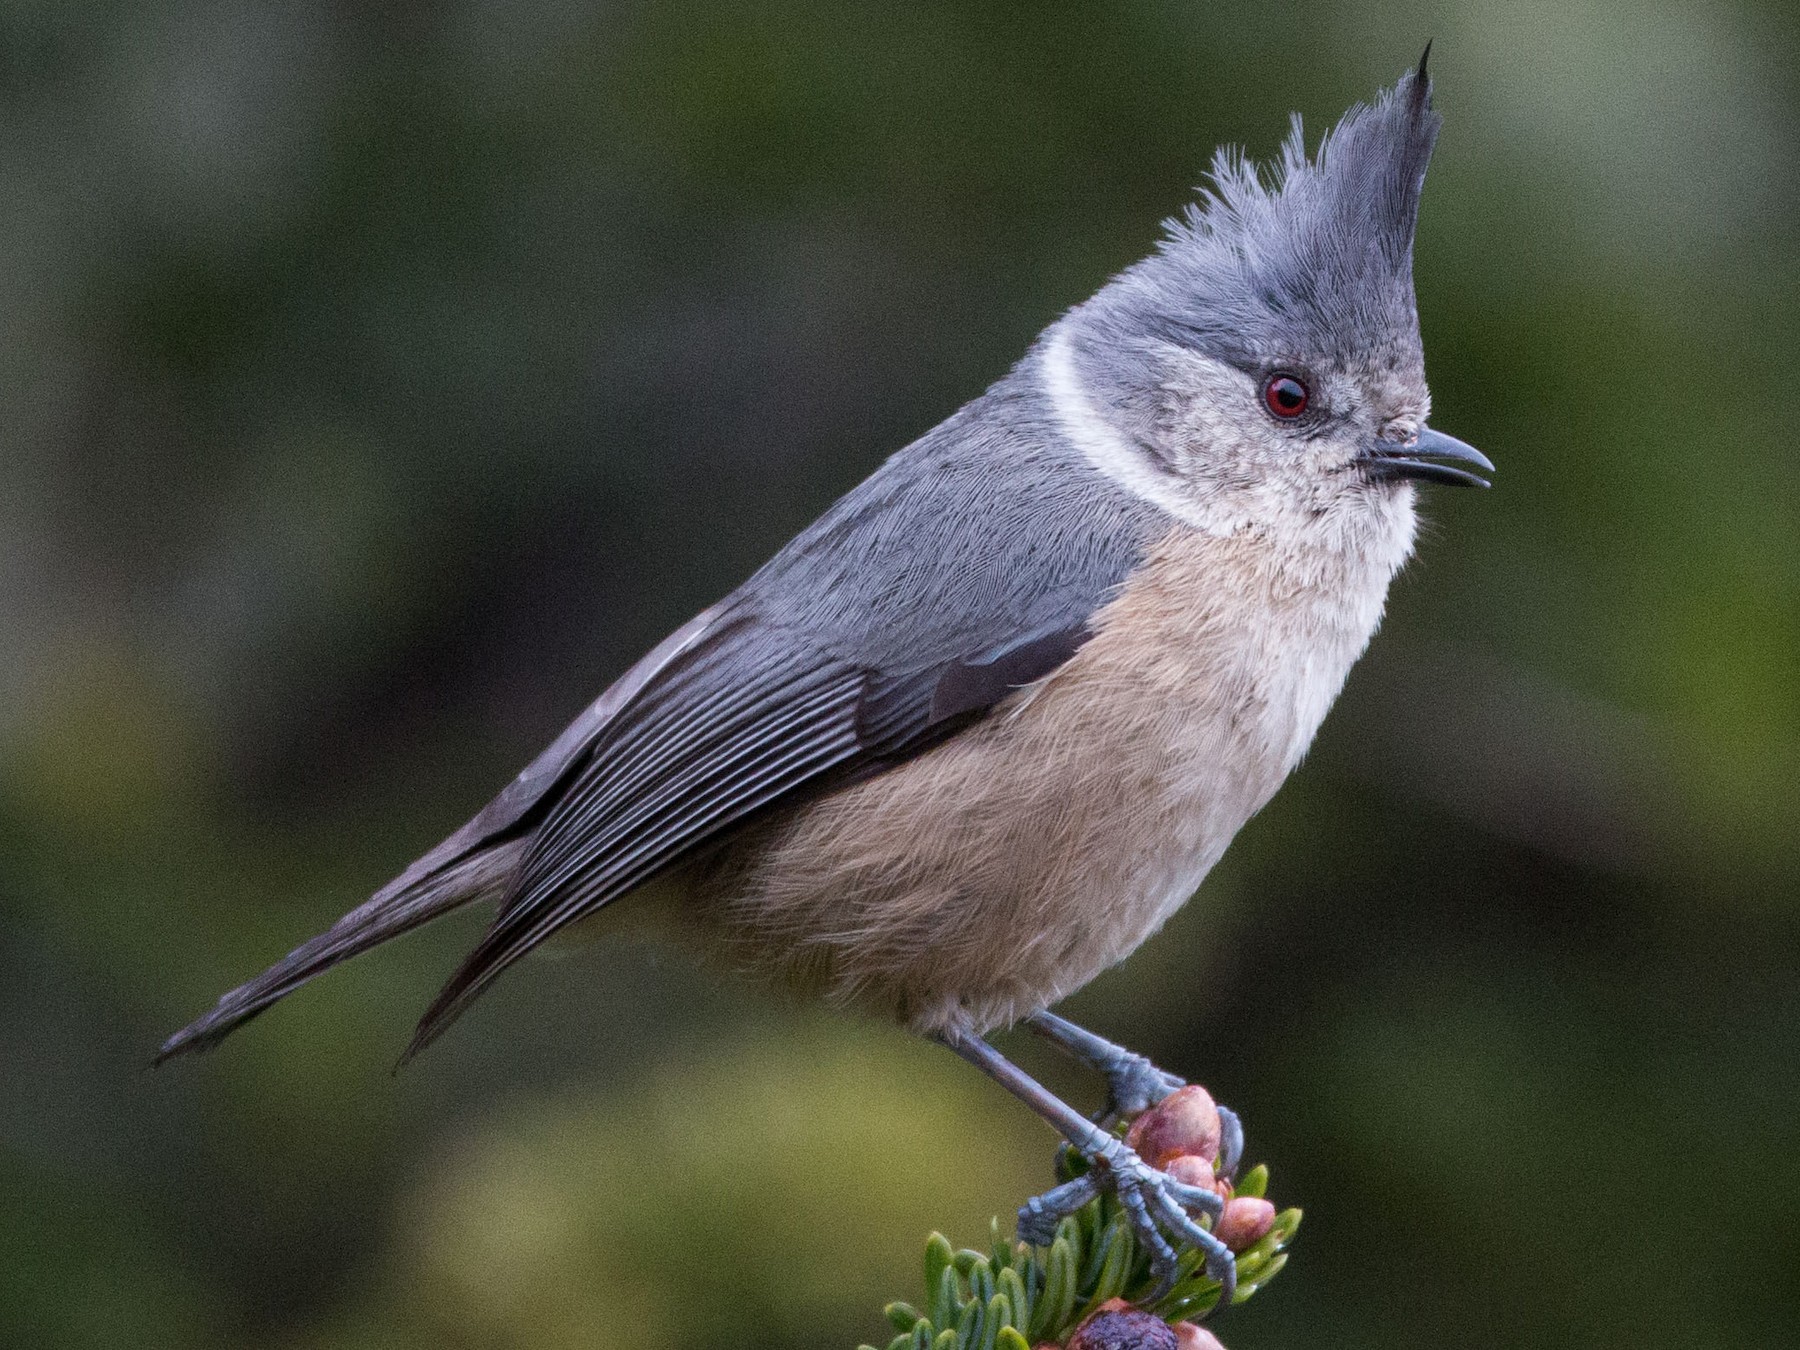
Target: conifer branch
{"type": "Point", "coordinates": [1088, 1289]}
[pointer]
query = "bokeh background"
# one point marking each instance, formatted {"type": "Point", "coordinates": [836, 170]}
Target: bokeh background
{"type": "Point", "coordinates": [378, 380]}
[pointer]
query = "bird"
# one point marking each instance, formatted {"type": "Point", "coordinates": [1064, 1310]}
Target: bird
{"type": "Point", "coordinates": [978, 731]}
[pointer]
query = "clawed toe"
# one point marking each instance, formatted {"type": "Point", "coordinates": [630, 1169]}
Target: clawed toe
{"type": "Point", "coordinates": [1039, 1215]}
{"type": "Point", "coordinates": [1231, 1142]}
{"type": "Point", "coordinates": [1167, 1206]}
{"type": "Point", "coordinates": [1158, 1207]}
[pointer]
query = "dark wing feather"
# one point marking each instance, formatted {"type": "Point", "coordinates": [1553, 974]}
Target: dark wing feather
{"type": "Point", "coordinates": [477, 862]}
{"type": "Point", "coordinates": [751, 716]}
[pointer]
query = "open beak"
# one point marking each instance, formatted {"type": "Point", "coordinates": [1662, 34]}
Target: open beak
{"type": "Point", "coordinates": [1387, 460]}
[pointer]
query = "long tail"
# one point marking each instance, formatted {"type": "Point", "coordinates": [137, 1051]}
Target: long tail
{"type": "Point", "coordinates": [399, 907]}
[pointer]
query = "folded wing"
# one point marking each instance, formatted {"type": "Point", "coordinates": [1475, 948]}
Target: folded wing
{"type": "Point", "coordinates": [966, 567]}
{"type": "Point", "coordinates": [750, 716]}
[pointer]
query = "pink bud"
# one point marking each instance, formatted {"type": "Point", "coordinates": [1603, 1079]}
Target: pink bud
{"type": "Point", "coordinates": [1245, 1220]}
{"type": "Point", "coordinates": [1186, 1121]}
{"type": "Point", "coordinates": [1192, 1336]}
{"type": "Point", "coordinates": [1190, 1169]}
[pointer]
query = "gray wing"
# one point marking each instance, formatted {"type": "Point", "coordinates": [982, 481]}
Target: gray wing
{"type": "Point", "coordinates": [955, 575]}
{"type": "Point", "coordinates": [967, 566]}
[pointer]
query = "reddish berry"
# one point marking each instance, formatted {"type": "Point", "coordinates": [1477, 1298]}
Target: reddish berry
{"type": "Point", "coordinates": [1192, 1170]}
{"type": "Point", "coordinates": [1186, 1121]}
{"type": "Point", "coordinates": [1245, 1220]}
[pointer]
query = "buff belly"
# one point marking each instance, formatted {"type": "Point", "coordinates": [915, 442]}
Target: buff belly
{"type": "Point", "coordinates": [1007, 867]}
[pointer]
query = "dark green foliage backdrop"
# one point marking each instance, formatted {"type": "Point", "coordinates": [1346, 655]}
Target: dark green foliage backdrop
{"type": "Point", "coordinates": [376, 380]}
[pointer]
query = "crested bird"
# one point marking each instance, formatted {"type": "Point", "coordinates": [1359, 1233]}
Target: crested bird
{"type": "Point", "coordinates": [980, 729]}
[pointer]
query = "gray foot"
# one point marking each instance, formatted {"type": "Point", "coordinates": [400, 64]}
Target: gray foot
{"type": "Point", "coordinates": [1134, 1084]}
{"type": "Point", "coordinates": [1157, 1206]}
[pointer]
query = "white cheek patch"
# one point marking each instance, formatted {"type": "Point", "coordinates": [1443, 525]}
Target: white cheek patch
{"type": "Point", "coordinates": [1102, 445]}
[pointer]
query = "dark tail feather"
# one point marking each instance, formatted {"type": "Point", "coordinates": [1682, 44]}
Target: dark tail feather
{"type": "Point", "coordinates": [397, 908]}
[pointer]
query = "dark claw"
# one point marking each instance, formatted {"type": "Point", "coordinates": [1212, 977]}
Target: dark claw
{"type": "Point", "coordinates": [1231, 1143]}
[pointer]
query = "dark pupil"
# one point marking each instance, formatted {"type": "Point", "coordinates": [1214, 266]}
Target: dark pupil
{"type": "Point", "coordinates": [1288, 394]}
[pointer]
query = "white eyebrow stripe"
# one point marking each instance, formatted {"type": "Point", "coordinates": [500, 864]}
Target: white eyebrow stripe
{"type": "Point", "coordinates": [1099, 441]}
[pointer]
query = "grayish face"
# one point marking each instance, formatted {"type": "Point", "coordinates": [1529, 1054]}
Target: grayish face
{"type": "Point", "coordinates": [1286, 437]}
{"type": "Point", "coordinates": [1265, 364]}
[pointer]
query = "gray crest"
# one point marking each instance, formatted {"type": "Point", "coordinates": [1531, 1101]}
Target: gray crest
{"type": "Point", "coordinates": [1312, 260]}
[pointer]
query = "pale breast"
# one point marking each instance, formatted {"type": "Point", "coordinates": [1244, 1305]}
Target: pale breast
{"type": "Point", "coordinates": [1008, 866]}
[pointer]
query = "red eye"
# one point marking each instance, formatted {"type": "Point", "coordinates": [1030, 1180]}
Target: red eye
{"type": "Point", "coordinates": [1285, 396]}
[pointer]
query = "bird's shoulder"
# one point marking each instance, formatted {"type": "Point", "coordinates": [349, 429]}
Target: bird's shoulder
{"type": "Point", "coordinates": [988, 528]}
{"type": "Point", "coordinates": [968, 563]}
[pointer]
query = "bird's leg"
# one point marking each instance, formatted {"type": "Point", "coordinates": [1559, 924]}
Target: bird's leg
{"type": "Point", "coordinates": [1154, 1201]}
{"type": "Point", "coordinates": [1133, 1083]}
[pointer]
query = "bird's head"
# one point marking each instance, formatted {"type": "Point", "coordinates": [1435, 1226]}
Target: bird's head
{"type": "Point", "coordinates": [1264, 365]}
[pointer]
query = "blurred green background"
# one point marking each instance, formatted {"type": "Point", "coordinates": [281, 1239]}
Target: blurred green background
{"type": "Point", "coordinates": [378, 380]}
